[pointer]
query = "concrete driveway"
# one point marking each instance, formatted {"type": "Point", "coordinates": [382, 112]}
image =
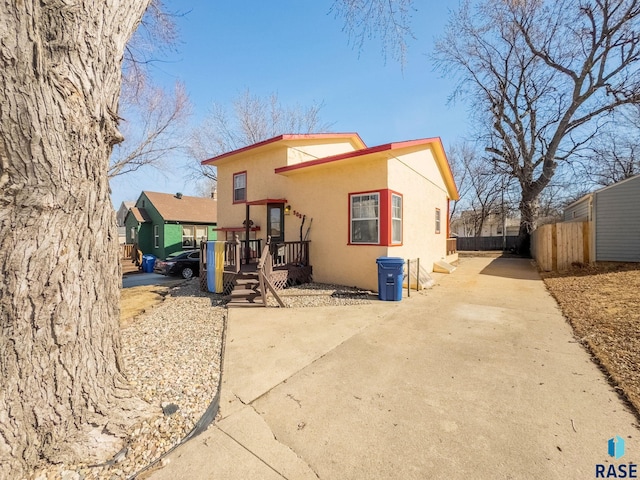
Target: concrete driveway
{"type": "Point", "coordinates": [142, 279]}
{"type": "Point", "coordinates": [479, 377]}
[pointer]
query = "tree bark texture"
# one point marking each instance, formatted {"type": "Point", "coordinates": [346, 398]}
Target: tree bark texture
{"type": "Point", "coordinates": [63, 397]}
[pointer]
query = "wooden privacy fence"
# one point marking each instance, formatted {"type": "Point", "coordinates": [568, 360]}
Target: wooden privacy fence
{"type": "Point", "coordinates": [485, 243]}
{"type": "Point", "coordinates": [559, 245]}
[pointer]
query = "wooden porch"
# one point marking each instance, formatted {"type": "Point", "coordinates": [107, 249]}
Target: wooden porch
{"type": "Point", "coordinates": [283, 264]}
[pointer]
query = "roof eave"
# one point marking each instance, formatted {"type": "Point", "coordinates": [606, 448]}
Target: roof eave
{"type": "Point", "coordinates": [355, 139]}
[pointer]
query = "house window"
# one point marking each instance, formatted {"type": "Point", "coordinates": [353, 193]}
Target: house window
{"type": "Point", "coordinates": [133, 234]}
{"type": "Point", "coordinates": [201, 234]}
{"type": "Point", "coordinates": [240, 187]}
{"type": "Point", "coordinates": [437, 220]}
{"type": "Point", "coordinates": [396, 218]}
{"type": "Point", "coordinates": [365, 218]}
{"type": "Point", "coordinates": [188, 240]}
{"type": "Point", "coordinates": [156, 236]}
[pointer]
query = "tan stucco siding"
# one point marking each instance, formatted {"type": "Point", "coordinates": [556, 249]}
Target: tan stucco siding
{"type": "Point", "coordinates": [323, 195]}
{"type": "Point", "coordinates": [304, 153]}
{"type": "Point", "coordinates": [417, 178]}
{"type": "Point", "coordinates": [261, 184]}
{"type": "Point", "coordinates": [420, 164]}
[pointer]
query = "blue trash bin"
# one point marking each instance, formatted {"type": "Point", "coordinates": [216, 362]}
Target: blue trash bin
{"type": "Point", "coordinates": [390, 276]}
{"type": "Point", "coordinates": [148, 262]}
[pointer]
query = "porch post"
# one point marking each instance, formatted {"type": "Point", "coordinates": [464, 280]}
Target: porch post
{"type": "Point", "coordinates": [247, 230]}
{"type": "Point", "coordinates": [237, 253]}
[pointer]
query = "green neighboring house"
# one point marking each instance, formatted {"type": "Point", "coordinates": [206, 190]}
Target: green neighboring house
{"type": "Point", "coordinates": [163, 223]}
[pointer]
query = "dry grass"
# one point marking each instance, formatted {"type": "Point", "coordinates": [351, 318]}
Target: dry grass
{"type": "Point", "coordinates": [137, 300]}
{"type": "Point", "coordinates": [602, 304]}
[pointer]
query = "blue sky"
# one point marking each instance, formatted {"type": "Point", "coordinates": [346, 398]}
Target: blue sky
{"type": "Point", "coordinates": [298, 50]}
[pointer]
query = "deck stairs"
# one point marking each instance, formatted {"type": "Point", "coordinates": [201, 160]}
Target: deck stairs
{"type": "Point", "coordinates": [246, 291]}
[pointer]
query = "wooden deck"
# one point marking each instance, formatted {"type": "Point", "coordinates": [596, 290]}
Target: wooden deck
{"type": "Point", "coordinates": [289, 265]}
{"type": "Point", "coordinates": [281, 277]}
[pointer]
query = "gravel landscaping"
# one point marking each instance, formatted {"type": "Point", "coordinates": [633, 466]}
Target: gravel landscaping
{"type": "Point", "coordinates": [172, 358]}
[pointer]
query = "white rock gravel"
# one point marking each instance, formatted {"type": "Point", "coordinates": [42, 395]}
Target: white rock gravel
{"type": "Point", "coordinates": [172, 358]}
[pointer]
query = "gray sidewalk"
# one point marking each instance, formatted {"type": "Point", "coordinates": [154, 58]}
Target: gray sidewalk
{"type": "Point", "coordinates": [480, 377]}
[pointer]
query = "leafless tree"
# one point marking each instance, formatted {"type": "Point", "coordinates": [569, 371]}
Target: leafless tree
{"type": "Point", "coordinates": [541, 74]}
{"type": "Point", "coordinates": [248, 120]}
{"type": "Point", "coordinates": [153, 119]}
{"type": "Point", "coordinates": [390, 20]}
{"type": "Point", "coordinates": [153, 128]}
{"type": "Point", "coordinates": [614, 154]}
{"type": "Point", "coordinates": [460, 156]}
{"type": "Point", "coordinates": [63, 397]}
{"type": "Point", "coordinates": [479, 188]}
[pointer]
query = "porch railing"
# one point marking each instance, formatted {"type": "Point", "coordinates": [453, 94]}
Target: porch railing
{"type": "Point", "coordinates": [126, 250]}
{"type": "Point", "coordinates": [282, 253]}
{"type": "Point", "coordinates": [255, 247]}
{"type": "Point", "coordinates": [290, 253]}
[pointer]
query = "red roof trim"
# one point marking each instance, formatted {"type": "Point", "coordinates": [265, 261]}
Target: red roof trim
{"type": "Point", "coordinates": [357, 153]}
{"type": "Point", "coordinates": [264, 201]}
{"type": "Point", "coordinates": [314, 136]}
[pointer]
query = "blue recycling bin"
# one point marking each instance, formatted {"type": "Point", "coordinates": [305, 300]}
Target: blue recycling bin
{"type": "Point", "coordinates": [390, 276]}
{"type": "Point", "coordinates": [148, 262]}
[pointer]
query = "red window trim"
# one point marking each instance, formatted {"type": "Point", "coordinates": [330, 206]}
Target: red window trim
{"type": "Point", "coordinates": [233, 187]}
{"type": "Point", "coordinates": [384, 221]}
{"type": "Point", "coordinates": [391, 242]}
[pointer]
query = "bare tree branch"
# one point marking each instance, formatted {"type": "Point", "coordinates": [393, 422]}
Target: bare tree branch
{"type": "Point", "coordinates": [541, 76]}
{"type": "Point", "coordinates": [248, 120]}
{"type": "Point", "coordinates": [153, 119]}
{"type": "Point", "coordinates": [388, 20]}
{"type": "Point", "coordinates": [152, 127]}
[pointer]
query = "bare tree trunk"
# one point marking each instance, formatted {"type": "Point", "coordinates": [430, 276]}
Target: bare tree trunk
{"type": "Point", "coordinates": [529, 207]}
{"type": "Point", "coordinates": [62, 394]}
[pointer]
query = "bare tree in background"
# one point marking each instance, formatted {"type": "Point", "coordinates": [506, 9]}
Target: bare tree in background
{"type": "Point", "coordinates": [540, 75]}
{"type": "Point", "coordinates": [153, 127]}
{"type": "Point", "coordinates": [153, 119]}
{"type": "Point", "coordinates": [459, 156]}
{"type": "Point", "coordinates": [249, 119]}
{"type": "Point", "coordinates": [388, 20]}
{"type": "Point", "coordinates": [614, 155]}
{"type": "Point", "coordinates": [480, 188]}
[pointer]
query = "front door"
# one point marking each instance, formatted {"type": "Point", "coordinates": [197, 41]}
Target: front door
{"type": "Point", "coordinates": [275, 222]}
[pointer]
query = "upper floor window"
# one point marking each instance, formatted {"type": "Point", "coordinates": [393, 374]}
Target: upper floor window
{"type": "Point", "coordinates": [240, 187]}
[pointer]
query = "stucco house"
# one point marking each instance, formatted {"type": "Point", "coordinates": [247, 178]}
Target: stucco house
{"type": "Point", "coordinates": [352, 202]}
{"type": "Point", "coordinates": [163, 223]}
{"type": "Point", "coordinates": [615, 220]}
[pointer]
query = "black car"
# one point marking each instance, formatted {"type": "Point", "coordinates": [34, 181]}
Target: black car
{"type": "Point", "coordinates": [186, 264]}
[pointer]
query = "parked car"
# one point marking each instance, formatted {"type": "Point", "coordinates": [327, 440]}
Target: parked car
{"type": "Point", "coordinates": [185, 263]}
